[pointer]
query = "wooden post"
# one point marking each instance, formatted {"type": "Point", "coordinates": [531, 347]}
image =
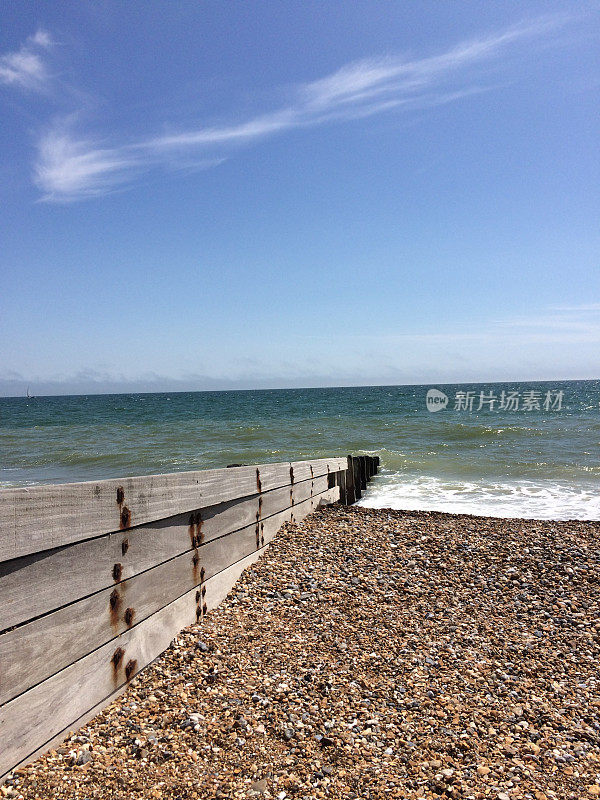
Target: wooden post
{"type": "Point", "coordinates": [354, 479]}
{"type": "Point", "coordinates": [341, 482]}
{"type": "Point", "coordinates": [357, 478]}
{"type": "Point", "coordinates": [363, 472]}
{"type": "Point", "coordinates": [350, 486]}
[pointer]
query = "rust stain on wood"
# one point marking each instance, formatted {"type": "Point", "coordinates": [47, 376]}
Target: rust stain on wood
{"type": "Point", "coordinates": [117, 572]}
{"type": "Point", "coordinates": [128, 616]}
{"type": "Point", "coordinates": [130, 668]}
{"type": "Point", "coordinates": [195, 528]}
{"type": "Point", "coordinates": [117, 657]}
{"type": "Point", "coordinates": [125, 518]}
{"type": "Point", "coordinates": [114, 602]}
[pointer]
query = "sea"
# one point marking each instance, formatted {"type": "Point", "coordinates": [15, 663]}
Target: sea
{"type": "Point", "coordinates": [527, 450]}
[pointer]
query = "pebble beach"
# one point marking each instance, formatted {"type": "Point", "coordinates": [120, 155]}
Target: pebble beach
{"type": "Point", "coordinates": [368, 654]}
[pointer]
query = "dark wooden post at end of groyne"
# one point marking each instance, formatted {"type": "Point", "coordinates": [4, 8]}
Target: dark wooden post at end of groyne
{"type": "Point", "coordinates": [354, 479]}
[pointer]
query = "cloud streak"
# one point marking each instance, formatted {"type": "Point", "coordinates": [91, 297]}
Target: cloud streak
{"type": "Point", "coordinates": [70, 166]}
{"type": "Point", "coordinates": [25, 68]}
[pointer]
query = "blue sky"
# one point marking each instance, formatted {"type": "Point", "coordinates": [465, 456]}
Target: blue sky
{"type": "Point", "coordinates": [204, 195]}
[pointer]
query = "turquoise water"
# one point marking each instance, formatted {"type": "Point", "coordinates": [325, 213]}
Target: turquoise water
{"type": "Point", "coordinates": [536, 463]}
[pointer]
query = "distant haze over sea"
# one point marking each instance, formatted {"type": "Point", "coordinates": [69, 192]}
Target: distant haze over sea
{"type": "Point", "coordinates": [536, 458]}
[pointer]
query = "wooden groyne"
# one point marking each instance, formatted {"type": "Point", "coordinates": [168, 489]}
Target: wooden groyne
{"type": "Point", "coordinates": [97, 578]}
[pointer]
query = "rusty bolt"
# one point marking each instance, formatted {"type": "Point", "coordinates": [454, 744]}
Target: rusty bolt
{"type": "Point", "coordinates": [117, 572]}
{"type": "Point", "coordinates": [204, 608]}
{"type": "Point", "coordinates": [130, 668]}
{"type": "Point", "coordinates": [124, 546]}
{"type": "Point", "coordinates": [197, 595]}
{"type": "Point", "coordinates": [114, 600]}
{"type": "Point", "coordinates": [125, 517]}
{"type": "Point", "coordinates": [120, 495]}
{"type": "Point", "coordinates": [195, 560]}
{"type": "Point", "coordinates": [128, 616]}
{"type": "Point", "coordinates": [117, 657]}
{"type": "Point", "coordinates": [202, 573]}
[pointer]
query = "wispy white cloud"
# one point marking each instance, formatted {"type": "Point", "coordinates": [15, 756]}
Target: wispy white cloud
{"type": "Point", "coordinates": [42, 38]}
{"type": "Point", "coordinates": [367, 87]}
{"type": "Point", "coordinates": [579, 323]}
{"type": "Point", "coordinates": [583, 308]}
{"type": "Point", "coordinates": [25, 68]}
{"type": "Point", "coordinates": [369, 80]}
{"type": "Point", "coordinates": [70, 167]}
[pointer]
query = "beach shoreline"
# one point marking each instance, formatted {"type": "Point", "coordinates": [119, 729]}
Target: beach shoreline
{"type": "Point", "coordinates": [369, 653]}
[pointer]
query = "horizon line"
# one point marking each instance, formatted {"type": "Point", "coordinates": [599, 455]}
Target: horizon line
{"type": "Point", "coordinates": [431, 384]}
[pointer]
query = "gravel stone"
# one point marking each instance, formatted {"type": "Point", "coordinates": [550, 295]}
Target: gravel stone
{"type": "Point", "coordinates": [438, 656]}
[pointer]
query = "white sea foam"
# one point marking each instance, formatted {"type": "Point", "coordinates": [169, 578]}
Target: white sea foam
{"type": "Point", "coordinates": [540, 499]}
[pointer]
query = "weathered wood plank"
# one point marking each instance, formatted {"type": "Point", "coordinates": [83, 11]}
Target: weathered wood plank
{"type": "Point", "coordinates": [64, 575]}
{"type": "Point", "coordinates": [362, 461]}
{"type": "Point", "coordinates": [36, 716]}
{"type": "Point", "coordinates": [34, 719]}
{"type": "Point", "coordinates": [341, 482]}
{"type": "Point", "coordinates": [357, 478]}
{"type": "Point", "coordinates": [32, 652]}
{"type": "Point", "coordinates": [39, 518]}
{"type": "Point", "coordinates": [350, 486]}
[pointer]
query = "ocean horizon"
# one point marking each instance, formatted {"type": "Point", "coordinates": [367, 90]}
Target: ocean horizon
{"type": "Point", "coordinates": [520, 449]}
